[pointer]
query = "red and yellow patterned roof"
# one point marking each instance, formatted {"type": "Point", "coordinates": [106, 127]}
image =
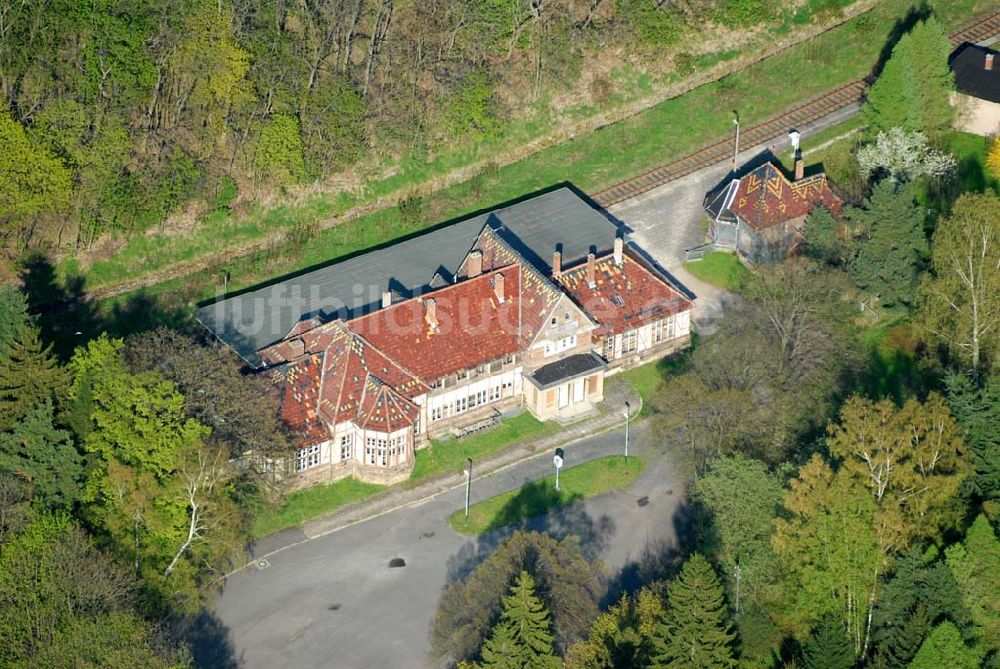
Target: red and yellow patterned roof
{"type": "Point", "coordinates": [765, 197]}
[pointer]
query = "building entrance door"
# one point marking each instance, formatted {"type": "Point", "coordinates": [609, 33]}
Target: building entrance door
{"type": "Point", "coordinates": [563, 396]}
{"type": "Point", "coordinates": [577, 391]}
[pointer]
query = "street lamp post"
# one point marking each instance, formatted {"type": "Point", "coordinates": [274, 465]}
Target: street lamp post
{"type": "Point", "coordinates": [627, 408]}
{"type": "Point", "coordinates": [557, 460]}
{"type": "Point", "coordinates": [468, 487]}
{"type": "Point", "coordinates": [736, 148]}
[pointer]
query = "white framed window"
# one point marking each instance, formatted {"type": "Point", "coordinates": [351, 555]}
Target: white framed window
{"type": "Point", "coordinates": [346, 442]}
{"type": "Point", "coordinates": [609, 347]}
{"type": "Point", "coordinates": [629, 341]}
{"type": "Point", "coordinates": [560, 345]}
{"type": "Point", "coordinates": [402, 447]}
{"type": "Point", "coordinates": [657, 332]}
{"type": "Point", "coordinates": [307, 457]}
{"type": "Point", "coordinates": [370, 450]}
{"type": "Point", "coordinates": [461, 404]}
{"type": "Point", "coordinates": [437, 413]}
{"type": "Point", "coordinates": [382, 452]}
{"type": "Point", "coordinates": [494, 393]}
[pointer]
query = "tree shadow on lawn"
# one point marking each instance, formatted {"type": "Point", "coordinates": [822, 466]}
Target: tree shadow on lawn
{"type": "Point", "coordinates": [534, 508]}
{"type": "Point", "coordinates": [660, 558]}
{"type": "Point", "coordinates": [68, 318]}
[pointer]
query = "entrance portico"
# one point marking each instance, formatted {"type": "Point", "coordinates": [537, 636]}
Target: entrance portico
{"type": "Point", "coordinates": [566, 388]}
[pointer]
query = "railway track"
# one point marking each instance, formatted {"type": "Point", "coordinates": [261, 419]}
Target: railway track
{"type": "Point", "coordinates": [772, 127]}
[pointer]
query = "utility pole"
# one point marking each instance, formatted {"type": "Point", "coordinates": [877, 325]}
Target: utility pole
{"type": "Point", "coordinates": [627, 408]}
{"type": "Point", "coordinates": [557, 460]}
{"type": "Point", "coordinates": [736, 148]}
{"type": "Point", "coordinates": [468, 487]}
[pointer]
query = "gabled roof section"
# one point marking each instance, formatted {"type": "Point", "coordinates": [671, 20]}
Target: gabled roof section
{"type": "Point", "coordinates": [717, 203]}
{"type": "Point", "coordinates": [259, 318]}
{"type": "Point", "coordinates": [624, 297]}
{"type": "Point", "coordinates": [766, 197]}
{"type": "Point", "coordinates": [539, 294]}
{"type": "Point", "coordinates": [473, 325]}
{"type": "Point", "coordinates": [298, 387]}
{"type": "Point", "coordinates": [971, 76]}
{"type": "Point", "coordinates": [383, 409]}
{"type": "Point", "coordinates": [349, 364]}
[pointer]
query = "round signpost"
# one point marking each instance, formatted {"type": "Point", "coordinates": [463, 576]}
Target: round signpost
{"type": "Point", "coordinates": [557, 460]}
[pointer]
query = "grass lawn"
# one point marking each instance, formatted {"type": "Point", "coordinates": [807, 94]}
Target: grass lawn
{"type": "Point", "coordinates": [720, 269]}
{"type": "Point", "coordinates": [311, 502]}
{"type": "Point", "coordinates": [451, 456]}
{"type": "Point", "coordinates": [970, 153]}
{"type": "Point", "coordinates": [668, 130]}
{"type": "Point", "coordinates": [891, 346]}
{"type": "Point", "coordinates": [586, 480]}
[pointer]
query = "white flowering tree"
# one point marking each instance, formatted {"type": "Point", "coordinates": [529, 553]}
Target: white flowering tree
{"type": "Point", "coordinates": [904, 155]}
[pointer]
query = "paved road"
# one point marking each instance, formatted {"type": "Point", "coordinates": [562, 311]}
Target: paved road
{"type": "Point", "coordinates": [334, 601]}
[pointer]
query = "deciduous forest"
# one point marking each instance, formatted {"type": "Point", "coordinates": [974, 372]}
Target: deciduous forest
{"type": "Point", "coordinates": [117, 114]}
{"type": "Point", "coordinates": [838, 436]}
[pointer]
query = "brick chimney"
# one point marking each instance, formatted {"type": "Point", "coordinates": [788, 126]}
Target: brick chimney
{"type": "Point", "coordinates": [800, 168]}
{"type": "Point", "coordinates": [296, 347]}
{"type": "Point", "coordinates": [591, 271]}
{"type": "Point", "coordinates": [619, 251]}
{"type": "Point", "coordinates": [475, 263]}
{"type": "Point", "coordinates": [989, 61]}
{"type": "Point", "coordinates": [386, 298]}
{"type": "Point", "coordinates": [430, 314]}
{"type": "Point", "coordinates": [498, 285]}
{"type": "Point", "coordinates": [557, 263]}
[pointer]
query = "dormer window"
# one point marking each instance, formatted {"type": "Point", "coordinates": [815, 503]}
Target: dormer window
{"type": "Point", "coordinates": [617, 299]}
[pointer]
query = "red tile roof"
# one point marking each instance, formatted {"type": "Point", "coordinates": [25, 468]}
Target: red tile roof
{"type": "Point", "coordinates": [349, 367]}
{"type": "Point", "coordinates": [383, 409]}
{"type": "Point", "coordinates": [298, 384]}
{"type": "Point", "coordinates": [539, 295]}
{"type": "Point", "coordinates": [765, 197]}
{"type": "Point", "coordinates": [624, 297]}
{"type": "Point", "coordinates": [473, 325]}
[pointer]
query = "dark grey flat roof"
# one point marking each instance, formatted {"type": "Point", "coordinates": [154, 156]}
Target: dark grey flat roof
{"type": "Point", "coordinates": [535, 227]}
{"type": "Point", "coordinates": [971, 76]}
{"type": "Point", "coordinates": [566, 369]}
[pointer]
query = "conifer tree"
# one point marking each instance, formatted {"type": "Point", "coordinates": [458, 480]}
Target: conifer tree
{"type": "Point", "coordinates": [522, 639]}
{"type": "Point", "coordinates": [43, 455]}
{"type": "Point", "coordinates": [695, 631]}
{"type": "Point", "coordinates": [944, 648]}
{"type": "Point", "coordinates": [978, 413]}
{"type": "Point", "coordinates": [892, 252]}
{"type": "Point", "coordinates": [912, 90]}
{"type": "Point", "coordinates": [904, 638]}
{"type": "Point", "coordinates": [13, 315]}
{"type": "Point", "coordinates": [29, 375]}
{"type": "Point", "coordinates": [828, 647]}
{"type": "Point", "coordinates": [975, 564]}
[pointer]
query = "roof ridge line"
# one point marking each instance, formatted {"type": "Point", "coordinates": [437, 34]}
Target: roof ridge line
{"type": "Point", "coordinates": [385, 355]}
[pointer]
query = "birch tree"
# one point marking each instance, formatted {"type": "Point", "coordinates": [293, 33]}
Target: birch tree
{"type": "Point", "coordinates": [832, 555]}
{"type": "Point", "coordinates": [911, 460]}
{"type": "Point", "coordinates": [961, 297]}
